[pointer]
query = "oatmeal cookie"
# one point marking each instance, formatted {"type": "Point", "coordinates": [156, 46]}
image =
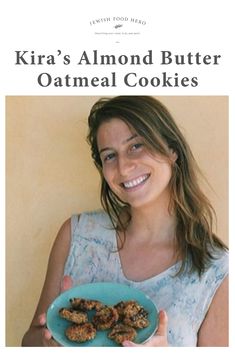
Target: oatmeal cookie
{"type": "Point", "coordinates": [137, 321]}
{"type": "Point", "coordinates": [135, 315]}
{"type": "Point", "coordinates": [131, 308]}
{"type": "Point", "coordinates": [81, 333]}
{"type": "Point", "coordinates": [85, 304]}
{"type": "Point", "coordinates": [72, 315]}
{"type": "Point", "coordinates": [105, 318]}
{"type": "Point", "coordinates": [132, 313]}
{"type": "Point", "coordinates": [121, 333]}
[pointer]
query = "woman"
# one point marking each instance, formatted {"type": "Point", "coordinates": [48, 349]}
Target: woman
{"type": "Point", "coordinates": [155, 234]}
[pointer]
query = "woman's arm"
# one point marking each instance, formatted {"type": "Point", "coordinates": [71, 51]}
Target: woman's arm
{"type": "Point", "coordinates": [214, 329]}
{"type": "Point", "coordinates": [36, 334]}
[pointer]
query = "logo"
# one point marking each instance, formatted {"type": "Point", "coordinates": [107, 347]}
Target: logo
{"type": "Point", "coordinates": [117, 27]}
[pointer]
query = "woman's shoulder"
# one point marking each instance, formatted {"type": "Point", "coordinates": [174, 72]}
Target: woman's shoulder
{"type": "Point", "coordinates": [95, 217]}
{"type": "Point", "coordinates": [219, 265]}
{"type": "Point", "coordinates": [93, 229]}
{"type": "Point", "coordinates": [216, 267]}
{"type": "Point", "coordinates": [61, 245]}
{"type": "Point", "coordinates": [219, 256]}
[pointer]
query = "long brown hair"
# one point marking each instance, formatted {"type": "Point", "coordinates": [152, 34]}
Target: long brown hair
{"type": "Point", "coordinates": [194, 213]}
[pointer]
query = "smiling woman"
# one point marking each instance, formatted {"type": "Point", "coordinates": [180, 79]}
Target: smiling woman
{"type": "Point", "coordinates": [128, 165]}
{"type": "Point", "coordinates": [156, 232]}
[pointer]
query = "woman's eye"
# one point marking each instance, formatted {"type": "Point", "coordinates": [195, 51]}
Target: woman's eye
{"type": "Point", "coordinates": [109, 157]}
{"type": "Point", "coordinates": [136, 146]}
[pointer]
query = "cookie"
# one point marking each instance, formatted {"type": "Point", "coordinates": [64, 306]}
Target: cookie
{"type": "Point", "coordinates": [72, 315]}
{"type": "Point", "coordinates": [135, 315]}
{"type": "Point", "coordinates": [137, 322]}
{"type": "Point", "coordinates": [85, 304]}
{"type": "Point", "coordinates": [81, 333]}
{"type": "Point", "coordinates": [105, 318]}
{"type": "Point", "coordinates": [121, 332]}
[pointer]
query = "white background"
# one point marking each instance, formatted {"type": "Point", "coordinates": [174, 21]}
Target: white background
{"type": "Point", "coordinates": [179, 26]}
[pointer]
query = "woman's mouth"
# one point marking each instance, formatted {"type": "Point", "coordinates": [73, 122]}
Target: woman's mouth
{"type": "Point", "coordinates": [135, 182]}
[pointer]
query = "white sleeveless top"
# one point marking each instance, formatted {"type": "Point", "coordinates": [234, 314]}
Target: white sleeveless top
{"type": "Point", "coordinates": [185, 298]}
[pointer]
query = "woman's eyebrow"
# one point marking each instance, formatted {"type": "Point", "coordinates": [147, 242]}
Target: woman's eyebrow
{"type": "Point", "coordinates": [123, 142]}
{"type": "Point", "coordinates": [130, 138]}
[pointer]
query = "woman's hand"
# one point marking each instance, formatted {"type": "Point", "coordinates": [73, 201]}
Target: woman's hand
{"type": "Point", "coordinates": [160, 337]}
{"type": "Point", "coordinates": [47, 339]}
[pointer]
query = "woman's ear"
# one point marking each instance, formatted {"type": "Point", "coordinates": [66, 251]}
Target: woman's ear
{"type": "Point", "coordinates": [173, 155]}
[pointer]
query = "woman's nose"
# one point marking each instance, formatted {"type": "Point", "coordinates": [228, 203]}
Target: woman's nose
{"type": "Point", "coordinates": [125, 165]}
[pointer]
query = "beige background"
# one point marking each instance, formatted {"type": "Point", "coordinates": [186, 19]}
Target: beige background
{"type": "Point", "coordinates": [50, 176]}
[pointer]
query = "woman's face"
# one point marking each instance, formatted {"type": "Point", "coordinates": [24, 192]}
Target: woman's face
{"type": "Point", "coordinates": [136, 175]}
